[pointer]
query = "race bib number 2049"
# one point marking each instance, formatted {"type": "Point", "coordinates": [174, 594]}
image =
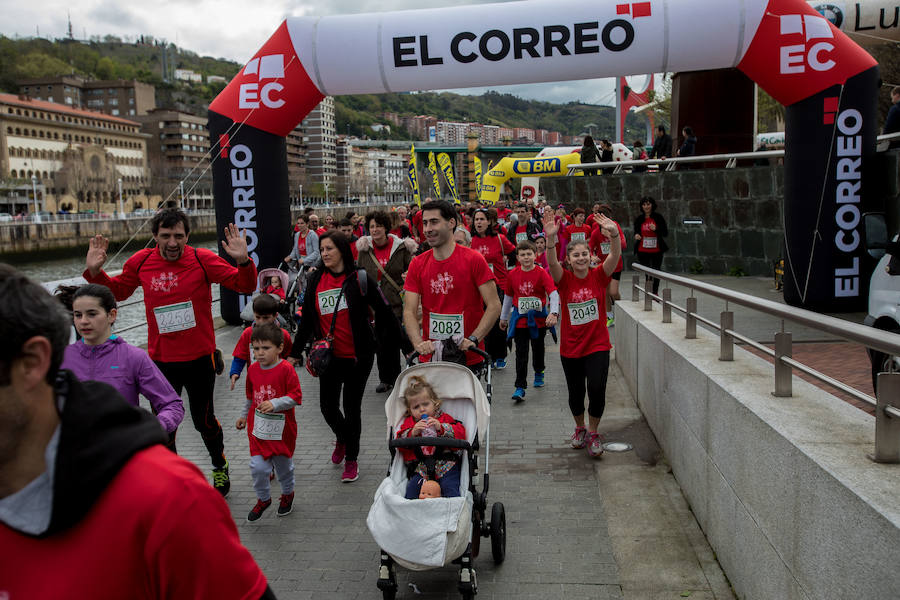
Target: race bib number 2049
{"type": "Point", "coordinates": [582, 313]}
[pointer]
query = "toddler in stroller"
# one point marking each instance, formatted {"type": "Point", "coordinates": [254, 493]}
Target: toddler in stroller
{"type": "Point", "coordinates": [282, 286]}
{"type": "Point", "coordinates": [422, 534]}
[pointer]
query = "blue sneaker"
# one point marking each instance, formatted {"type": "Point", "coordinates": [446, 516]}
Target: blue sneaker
{"type": "Point", "coordinates": [519, 395]}
{"type": "Point", "coordinates": [500, 364]}
{"type": "Point", "coordinates": [539, 379]}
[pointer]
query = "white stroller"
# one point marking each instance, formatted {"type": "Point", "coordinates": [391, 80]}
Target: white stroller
{"type": "Point", "coordinates": [409, 532]}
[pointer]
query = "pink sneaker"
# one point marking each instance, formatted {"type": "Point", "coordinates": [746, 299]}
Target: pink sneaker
{"type": "Point", "coordinates": [578, 437]}
{"type": "Point", "coordinates": [595, 445]}
{"type": "Point", "coordinates": [351, 471]}
{"type": "Point", "coordinates": [340, 450]}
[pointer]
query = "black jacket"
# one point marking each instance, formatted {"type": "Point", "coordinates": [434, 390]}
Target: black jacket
{"type": "Point", "coordinates": [532, 228]}
{"type": "Point", "coordinates": [662, 230]}
{"type": "Point", "coordinates": [662, 147]}
{"type": "Point", "coordinates": [364, 339]}
{"type": "Point", "coordinates": [689, 147]}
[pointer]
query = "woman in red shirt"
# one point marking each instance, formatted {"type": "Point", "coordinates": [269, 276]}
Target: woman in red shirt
{"type": "Point", "coordinates": [650, 230]}
{"type": "Point", "coordinates": [584, 339]}
{"type": "Point", "coordinates": [495, 249]}
{"type": "Point", "coordinates": [353, 346]}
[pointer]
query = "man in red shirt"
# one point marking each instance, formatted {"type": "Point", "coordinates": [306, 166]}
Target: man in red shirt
{"type": "Point", "coordinates": [176, 281]}
{"type": "Point", "coordinates": [453, 285]}
{"type": "Point", "coordinates": [93, 505]}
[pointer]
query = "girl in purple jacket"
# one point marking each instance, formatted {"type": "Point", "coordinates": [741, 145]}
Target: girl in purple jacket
{"type": "Point", "coordinates": [102, 356]}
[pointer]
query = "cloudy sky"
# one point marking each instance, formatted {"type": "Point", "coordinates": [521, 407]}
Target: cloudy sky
{"type": "Point", "coordinates": [235, 29]}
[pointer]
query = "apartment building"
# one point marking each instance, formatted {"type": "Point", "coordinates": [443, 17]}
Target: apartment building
{"type": "Point", "coordinates": [113, 97]}
{"type": "Point", "coordinates": [318, 132]}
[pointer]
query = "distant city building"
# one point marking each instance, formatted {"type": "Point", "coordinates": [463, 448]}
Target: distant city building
{"type": "Point", "coordinates": [216, 79]}
{"type": "Point", "coordinates": [178, 151]}
{"type": "Point", "coordinates": [318, 131]}
{"type": "Point", "coordinates": [77, 156]}
{"type": "Point", "coordinates": [523, 134]}
{"type": "Point", "coordinates": [451, 133]}
{"type": "Point", "coordinates": [188, 75]}
{"type": "Point", "coordinates": [296, 162]}
{"type": "Point", "coordinates": [554, 138]}
{"type": "Point", "coordinates": [113, 97]}
{"type": "Point", "coordinates": [506, 133]}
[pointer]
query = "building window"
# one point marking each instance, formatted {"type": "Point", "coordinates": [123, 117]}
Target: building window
{"type": "Point", "coordinates": [115, 111]}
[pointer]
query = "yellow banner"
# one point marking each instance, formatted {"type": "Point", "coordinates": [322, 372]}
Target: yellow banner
{"type": "Point", "coordinates": [447, 168]}
{"type": "Point", "coordinates": [477, 162]}
{"type": "Point", "coordinates": [435, 178]}
{"type": "Point", "coordinates": [508, 167]}
{"type": "Point", "coordinates": [411, 175]}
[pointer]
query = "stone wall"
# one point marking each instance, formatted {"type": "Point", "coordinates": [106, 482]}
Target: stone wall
{"type": "Point", "coordinates": [741, 210]}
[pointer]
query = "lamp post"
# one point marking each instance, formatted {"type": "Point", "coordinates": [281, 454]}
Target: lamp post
{"type": "Point", "coordinates": [181, 189]}
{"type": "Point", "coordinates": [121, 205]}
{"type": "Point", "coordinates": [301, 197]}
{"type": "Point", "coordinates": [37, 217]}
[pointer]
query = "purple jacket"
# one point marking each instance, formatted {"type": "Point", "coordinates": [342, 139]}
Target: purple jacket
{"type": "Point", "coordinates": [130, 371]}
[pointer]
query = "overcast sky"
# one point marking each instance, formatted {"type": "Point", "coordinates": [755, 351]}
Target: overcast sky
{"type": "Point", "coordinates": [240, 29]}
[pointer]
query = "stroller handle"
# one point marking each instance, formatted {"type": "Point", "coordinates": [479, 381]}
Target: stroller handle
{"type": "Point", "coordinates": [487, 357]}
{"type": "Point", "coordinates": [415, 442]}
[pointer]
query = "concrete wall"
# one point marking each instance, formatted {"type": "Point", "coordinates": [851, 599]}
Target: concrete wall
{"type": "Point", "coordinates": [781, 486]}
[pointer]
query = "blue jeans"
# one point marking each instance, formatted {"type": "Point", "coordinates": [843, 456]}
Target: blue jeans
{"type": "Point", "coordinates": [449, 484]}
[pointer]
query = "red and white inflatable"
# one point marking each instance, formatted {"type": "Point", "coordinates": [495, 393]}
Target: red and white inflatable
{"type": "Point", "coordinates": [796, 55]}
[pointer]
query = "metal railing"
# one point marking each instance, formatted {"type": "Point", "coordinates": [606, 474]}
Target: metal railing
{"type": "Point", "coordinates": [887, 400]}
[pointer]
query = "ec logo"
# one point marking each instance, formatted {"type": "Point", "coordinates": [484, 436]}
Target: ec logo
{"type": "Point", "coordinates": [795, 58]}
{"type": "Point", "coordinates": [265, 67]}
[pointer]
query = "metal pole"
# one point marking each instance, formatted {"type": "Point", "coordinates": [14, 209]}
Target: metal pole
{"type": "Point", "coordinates": [37, 218]}
{"type": "Point", "coordinates": [121, 206]}
{"type": "Point", "coordinates": [635, 282]}
{"type": "Point", "coordinates": [301, 197]}
{"type": "Point", "coordinates": [887, 427]}
{"type": "Point", "coordinates": [181, 188]}
{"type": "Point", "coordinates": [783, 372]}
{"type": "Point", "coordinates": [726, 342]}
{"type": "Point", "coordinates": [689, 319]}
{"type": "Point", "coordinates": [667, 305]}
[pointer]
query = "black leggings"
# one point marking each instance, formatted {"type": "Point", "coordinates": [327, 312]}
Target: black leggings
{"type": "Point", "coordinates": [593, 369]}
{"type": "Point", "coordinates": [198, 376]}
{"type": "Point", "coordinates": [654, 261]}
{"type": "Point", "coordinates": [523, 340]}
{"type": "Point", "coordinates": [352, 374]}
{"type": "Point", "coordinates": [495, 340]}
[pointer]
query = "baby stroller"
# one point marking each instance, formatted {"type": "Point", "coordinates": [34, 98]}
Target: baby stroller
{"type": "Point", "coordinates": [425, 534]}
{"type": "Point", "coordinates": [287, 309]}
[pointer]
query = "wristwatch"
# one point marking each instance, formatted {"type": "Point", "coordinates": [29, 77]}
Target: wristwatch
{"type": "Point", "coordinates": [473, 339]}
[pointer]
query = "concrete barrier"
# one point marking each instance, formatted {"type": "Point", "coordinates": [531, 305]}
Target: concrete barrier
{"type": "Point", "coordinates": [781, 486]}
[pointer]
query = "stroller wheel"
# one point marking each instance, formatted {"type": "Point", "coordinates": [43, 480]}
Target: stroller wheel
{"type": "Point", "coordinates": [498, 532]}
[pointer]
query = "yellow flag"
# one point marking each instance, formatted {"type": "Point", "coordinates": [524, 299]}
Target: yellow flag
{"type": "Point", "coordinates": [432, 166]}
{"type": "Point", "coordinates": [477, 176]}
{"type": "Point", "coordinates": [447, 168]}
{"type": "Point", "coordinates": [411, 175]}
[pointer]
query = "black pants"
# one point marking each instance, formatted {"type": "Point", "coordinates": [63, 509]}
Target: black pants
{"type": "Point", "coordinates": [351, 374]}
{"type": "Point", "coordinates": [592, 369]}
{"type": "Point", "coordinates": [523, 339]}
{"type": "Point", "coordinates": [388, 365]}
{"type": "Point", "coordinates": [495, 340]}
{"type": "Point", "coordinates": [654, 261]}
{"type": "Point", "coordinates": [198, 376]}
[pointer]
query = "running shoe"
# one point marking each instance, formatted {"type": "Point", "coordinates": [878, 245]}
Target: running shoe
{"type": "Point", "coordinates": [351, 471]}
{"type": "Point", "coordinates": [221, 481]}
{"type": "Point", "coordinates": [578, 440]}
{"type": "Point", "coordinates": [610, 321]}
{"type": "Point", "coordinates": [500, 364]}
{"type": "Point", "coordinates": [285, 505]}
{"type": "Point", "coordinates": [519, 395]}
{"type": "Point", "coordinates": [383, 387]}
{"type": "Point", "coordinates": [340, 450]}
{"type": "Point", "coordinates": [595, 445]}
{"type": "Point", "coordinates": [257, 511]}
{"type": "Point", "coordinates": [539, 379]}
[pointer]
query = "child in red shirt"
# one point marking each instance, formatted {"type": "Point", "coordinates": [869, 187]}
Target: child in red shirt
{"type": "Point", "coordinates": [265, 310]}
{"type": "Point", "coordinates": [274, 287]}
{"type": "Point", "coordinates": [424, 412]}
{"type": "Point", "coordinates": [273, 390]}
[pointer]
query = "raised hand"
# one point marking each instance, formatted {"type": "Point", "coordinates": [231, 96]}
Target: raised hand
{"type": "Point", "coordinates": [235, 244]}
{"type": "Point", "coordinates": [550, 225]}
{"type": "Point", "coordinates": [608, 226]}
{"type": "Point", "coordinates": [96, 255]}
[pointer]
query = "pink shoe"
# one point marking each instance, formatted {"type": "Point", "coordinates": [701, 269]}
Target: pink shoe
{"type": "Point", "coordinates": [595, 445]}
{"type": "Point", "coordinates": [578, 437]}
{"type": "Point", "coordinates": [351, 471]}
{"type": "Point", "coordinates": [340, 450]}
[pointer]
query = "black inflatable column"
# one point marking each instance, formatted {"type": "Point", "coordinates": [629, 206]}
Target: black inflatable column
{"type": "Point", "coordinates": [250, 187]}
{"type": "Point", "coordinates": [830, 139]}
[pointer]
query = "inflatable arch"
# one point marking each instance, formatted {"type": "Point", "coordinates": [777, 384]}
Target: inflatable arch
{"type": "Point", "coordinates": [826, 81]}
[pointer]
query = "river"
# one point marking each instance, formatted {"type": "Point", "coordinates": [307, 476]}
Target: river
{"type": "Point", "coordinates": [131, 320]}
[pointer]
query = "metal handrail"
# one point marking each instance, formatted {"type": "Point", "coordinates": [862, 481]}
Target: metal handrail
{"type": "Point", "coordinates": [887, 401]}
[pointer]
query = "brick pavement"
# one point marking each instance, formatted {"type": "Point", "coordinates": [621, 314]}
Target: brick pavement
{"type": "Point", "coordinates": [559, 544]}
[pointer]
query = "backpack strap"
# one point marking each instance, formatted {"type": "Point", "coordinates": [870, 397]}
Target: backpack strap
{"type": "Point", "coordinates": [363, 278]}
{"type": "Point", "coordinates": [141, 264]}
{"type": "Point", "coordinates": [205, 274]}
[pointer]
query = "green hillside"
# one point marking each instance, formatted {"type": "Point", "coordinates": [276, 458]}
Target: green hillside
{"type": "Point", "coordinates": [111, 58]}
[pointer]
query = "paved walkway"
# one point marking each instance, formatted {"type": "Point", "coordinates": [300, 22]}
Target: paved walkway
{"type": "Point", "coordinates": [614, 528]}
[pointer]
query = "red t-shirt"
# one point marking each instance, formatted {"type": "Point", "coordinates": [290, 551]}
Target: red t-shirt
{"type": "Point", "coordinates": [583, 313]}
{"type": "Point", "coordinates": [600, 245]}
{"type": "Point", "coordinates": [301, 245]}
{"type": "Point", "coordinates": [267, 384]}
{"type": "Point", "coordinates": [152, 533]}
{"type": "Point", "coordinates": [649, 241]}
{"type": "Point", "coordinates": [578, 233]}
{"type": "Point", "coordinates": [382, 255]}
{"type": "Point", "coordinates": [321, 230]}
{"type": "Point", "coordinates": [529, 290]}
{"type": "Point", "coordinates": [242, 348]}
{"type": "Point", "coordinates": [521, 234]}
{"type": "Point", "coordinates": [177, 297]}
{"type": "Point", "coordinates": [494, 249]}
{"type": "Point", "coordinates": [326, 295]}
{"type": "Point", "coordinates": [451, 302]}
{"type": "Point", "coordinates": [274, 290]}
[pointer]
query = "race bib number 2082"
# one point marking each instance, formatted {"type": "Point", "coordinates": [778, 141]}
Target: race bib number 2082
{"type": "Point", "coordinates": [441, 327]}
